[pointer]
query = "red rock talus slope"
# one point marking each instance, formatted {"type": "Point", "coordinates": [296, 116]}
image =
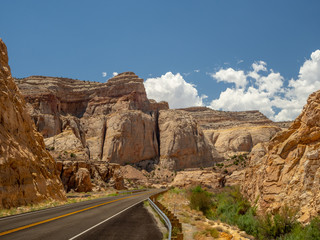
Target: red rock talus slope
{"type": "Point", "coordinates": [27, 171]}
{"type": "Point", "coordinates": [289, 173]}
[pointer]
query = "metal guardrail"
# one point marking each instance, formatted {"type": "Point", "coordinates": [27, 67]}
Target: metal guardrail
{"type": "Point", "coordinates": [163, 216]}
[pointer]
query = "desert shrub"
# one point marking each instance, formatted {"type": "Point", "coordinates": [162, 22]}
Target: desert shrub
{"type": "Point", "coordinates": [200, 200]}
{"type": "Point", "coordinates": [282, 223]}
{"type": "Point", "coordinates": [313, 229]}
{"type": "Point", "coordinates": [309, 232]}
{"type": "Point", "coordinates": [231, 207]}
{"type": "Point", "coordinates": [72, 155]}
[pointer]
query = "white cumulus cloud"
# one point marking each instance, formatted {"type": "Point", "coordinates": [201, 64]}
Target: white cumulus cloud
{"type": "Point", "coordinates": [115, 74]}
{"type": "Point", "coordinates": [104, 74]}
{"type": "Point", "coordinates": [267, 91]}
{"type": "Point", "coordinates": [173, 89]}
{"type": "Point", "coordinates": [231, 76]}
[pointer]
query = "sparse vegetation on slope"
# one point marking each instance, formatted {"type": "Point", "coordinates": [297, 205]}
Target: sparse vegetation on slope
{"type": "Point", "coordinates": [228, 213]}
{"type": "Point", "coordinates": [231, 207]}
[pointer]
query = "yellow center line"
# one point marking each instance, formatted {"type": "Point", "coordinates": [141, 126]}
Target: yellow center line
{"type": "Point", "coordinates": [62, 216]}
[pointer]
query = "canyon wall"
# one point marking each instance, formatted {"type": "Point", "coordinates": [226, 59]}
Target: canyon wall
{"type": "Point", "coordinates": [85, 123]}
{"type": "Point", "coordinates": [115, 122]}
{"type": "Point", "coordinates": [233, 133]}
{"type": "Point", "coordinates": [286, 171]}
{"type": "Point", "coordinates": [28, 173]}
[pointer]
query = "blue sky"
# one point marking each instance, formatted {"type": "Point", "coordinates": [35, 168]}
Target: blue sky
{"type": "Point", "coordinates": [193, 40]}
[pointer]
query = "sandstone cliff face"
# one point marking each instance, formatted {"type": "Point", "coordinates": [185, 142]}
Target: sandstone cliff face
{"type": "Point", "coordinates": [289, 173]}
{"type": "Point", "coordinates": [235, 132]}
{"type": "Point", "coordinates": [27, 171]}
{"type": "Point", "coordinates": [243, 138]}
{"type": "Point", "coordinates": [130, 138]}
{"type": "Point", "coordinates": [114, 122]}
{"type": "Point", "coordinates": [182, 141]}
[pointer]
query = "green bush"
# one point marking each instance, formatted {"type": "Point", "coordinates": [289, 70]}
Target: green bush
{"type": "Point", "coordinates": [282, 223]}
{"type": "Point", "coordinates": [309, 232]}
{"type": "Point", "coordinates": [72, 155]}
{"type": "Point", "coordinates": [231, 207]}
{"type": "Point", "coordinates": [201, 200]}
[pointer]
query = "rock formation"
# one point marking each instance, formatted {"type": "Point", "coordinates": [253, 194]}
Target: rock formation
{"type": "Point", "coordinates": [115, 122]}
{"type": "Point", "coordinates": [112, 122]}
{"type": "Point", "coordinates": [82, 176]}
{"type": "Point", "coordinates": [235, 132]}
{"type": "Point", "coordinates": [27, 171]}
{"type": "Point", "coordinates": [204, 178]}
{"type": "Point", "coordinates": [182, 141]}
{"type": "Point", "coordinates": [289, 173]}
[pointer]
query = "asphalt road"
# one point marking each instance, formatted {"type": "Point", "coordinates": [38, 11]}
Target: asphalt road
{"type": "Point", "coordinates": [120, 217]}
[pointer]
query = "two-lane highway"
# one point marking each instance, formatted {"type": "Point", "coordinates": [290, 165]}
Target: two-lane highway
{"type": "Point", "coordinates": [72, 221]}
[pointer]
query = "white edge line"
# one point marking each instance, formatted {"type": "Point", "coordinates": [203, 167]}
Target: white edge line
{"type": "Point", "coordinates": [105, 220]}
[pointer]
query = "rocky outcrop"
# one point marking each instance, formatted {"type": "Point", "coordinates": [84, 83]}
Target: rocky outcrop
{"type": "Point", "coordinates": [130, 138]}
{"type": "Point", "coordinates": [50, 98]}
{"type": "Point", "coordinates": [240, 139]}
{"type": "Point", "coordinates": [27, 171]}
{"type": "Point", "coordinates": [84, 176]}
{"type": "Point", "coordinates": [289, 173]}
{"type": "Point", "coordinates": [134, 178]}
{"type": "Point", "coordinates": [214, 119]}
{"type": "Point", "coordinates": [204, 178]}
{"type": "Point", "coordinates": [90, 122]}
{"type": "Point", "coordinates": [235, 132]}
{"type": "Point", "coordinates": [114, 122]}
{"type": "Point", "coordinates": [182, 141]}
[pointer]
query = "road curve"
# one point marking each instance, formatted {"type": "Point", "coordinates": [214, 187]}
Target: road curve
{"type": "Point", "coordinates": [71, 221]}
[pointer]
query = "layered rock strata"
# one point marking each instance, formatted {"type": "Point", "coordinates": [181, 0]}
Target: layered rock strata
{"type": "Point", "coordinates": [287, 170]}
{"type": "Point", "coordinates": [28, 173]}
{"type": "Point", "coordinates": [113, 122]}
{"type": "Point", "coordinates": [235, 132]}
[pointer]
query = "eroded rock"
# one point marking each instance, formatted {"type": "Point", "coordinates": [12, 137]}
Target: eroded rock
{"type": "Point", "coordinates": [289, 173]}
{"type": "Point", "coordinates": [27, 171]}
